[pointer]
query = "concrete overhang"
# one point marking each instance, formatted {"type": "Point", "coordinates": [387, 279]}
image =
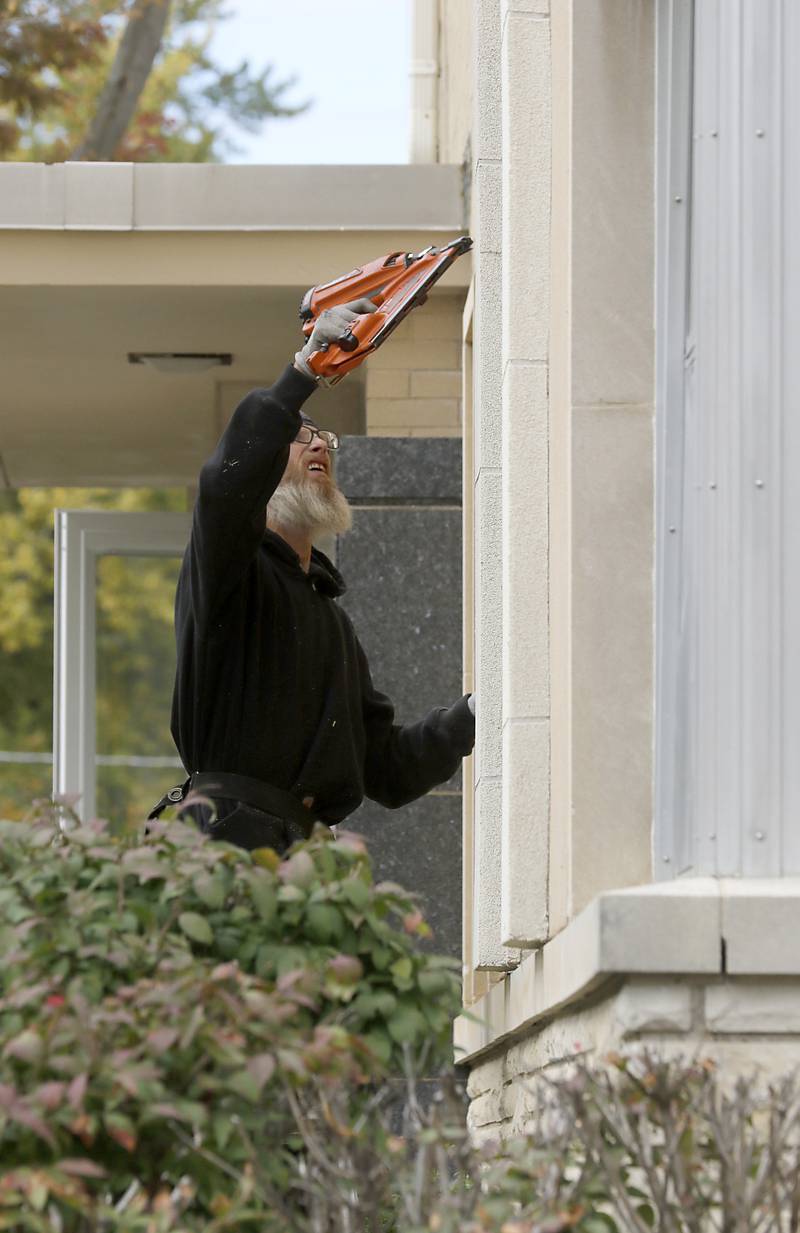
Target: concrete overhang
{"type": "Point", "coordinates": [99, 260]}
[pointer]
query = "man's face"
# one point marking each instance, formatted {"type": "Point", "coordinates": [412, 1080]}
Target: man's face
{"type": "Point", "coordinates": [310, 463]}
{"type": "Point", "coordinates": [308, 500]}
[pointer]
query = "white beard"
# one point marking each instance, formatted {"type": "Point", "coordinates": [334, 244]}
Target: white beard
{"type": "Point", "coordinates": [306, 507]}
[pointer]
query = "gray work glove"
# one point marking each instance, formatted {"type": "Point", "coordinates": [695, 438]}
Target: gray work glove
{"type": "Point", "coordinates": [329, 328]}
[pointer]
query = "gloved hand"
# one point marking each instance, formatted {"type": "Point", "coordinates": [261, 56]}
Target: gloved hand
{"type": "Point", "coordinates": [329, 328]}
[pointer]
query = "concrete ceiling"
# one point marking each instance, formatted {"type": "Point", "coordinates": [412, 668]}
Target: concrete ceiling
{"type": "Point", "coordinates": [94, 263]}
{"type": "Point", "coordinates": [74, 411]}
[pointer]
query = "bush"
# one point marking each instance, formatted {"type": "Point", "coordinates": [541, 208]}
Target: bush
{"type": "Point", "coordinates": [628, 1144]}
{"type": "Point", "coordinates": [166, 1007]}
{"type": "Point", "coordinates": [193, 1039]}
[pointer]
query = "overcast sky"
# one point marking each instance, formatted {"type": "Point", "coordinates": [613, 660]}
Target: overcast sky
{"type": "Point", "coordinates": [350, 58]}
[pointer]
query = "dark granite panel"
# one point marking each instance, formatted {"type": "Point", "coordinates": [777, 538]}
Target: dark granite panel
{"type": "Point", "coordinates": [402, 565]}
{"type": "Point", "coordinates": [419, 846]}
{"type": "Point", "coordinates": [403, 574]}
{"type": "Point", "coordinates": [400, 469]}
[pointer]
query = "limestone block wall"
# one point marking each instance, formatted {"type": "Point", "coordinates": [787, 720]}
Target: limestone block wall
{"type": "Point", "coordinates": [562, 462]}
{"type": "Point", "coordinates": [413, 382]}
{"type": "Point", "coordinates": [729, 1020]}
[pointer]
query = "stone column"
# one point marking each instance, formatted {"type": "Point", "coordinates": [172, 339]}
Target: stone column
{"type": "Point", "coordinates": [526, 139]}
{"type": "Point", "coordinates": [488, 950]}
{"type": "Point", "coordinates": [601, 447]}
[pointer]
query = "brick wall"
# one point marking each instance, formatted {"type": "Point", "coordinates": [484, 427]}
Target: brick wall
{"type": "Point", "coordinates": [414, 380]}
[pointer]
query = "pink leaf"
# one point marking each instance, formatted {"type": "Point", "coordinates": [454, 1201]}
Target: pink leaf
{"type": "Point", "coordinates": [80, 1168]}
{"type": "Point", "coordinates": [25, 1118]}
{"type": "Point", "coordinates": [77, 1090]}
{"type": "Point", "coordinates": [162, 1039]}
{"type": "Point", "coordinates": [262, 1068]}
{"type": "Point", "coordinates": [50, 1095]}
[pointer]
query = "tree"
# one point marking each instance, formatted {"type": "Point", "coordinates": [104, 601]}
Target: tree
{"type": "Point", "coordinates": [40, 45]}
{"type": "Point", "coordinates": [132, 81]}
{"type": "Point", "coordinates": [132, 65]}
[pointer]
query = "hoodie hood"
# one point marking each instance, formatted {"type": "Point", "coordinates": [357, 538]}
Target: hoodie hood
{"type": "Point", "coordinates": [322, 572]}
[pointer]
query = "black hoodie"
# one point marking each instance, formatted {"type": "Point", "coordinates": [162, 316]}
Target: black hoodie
{"type": "Point", "coordinates": [272, 681]}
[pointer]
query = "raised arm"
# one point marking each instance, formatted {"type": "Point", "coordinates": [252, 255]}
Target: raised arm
{"type": "Point", "coordinates": [404, 762]}
{"type": "Point", "coordinates": [237, 482]}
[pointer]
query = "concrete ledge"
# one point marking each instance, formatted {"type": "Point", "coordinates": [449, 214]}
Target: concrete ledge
{"type": "Point", "coordinates": [667, 929]}
{"type": "Point", "coordinates": [210, 197]}
{"type": "Point", "coordinates": [760, 924]}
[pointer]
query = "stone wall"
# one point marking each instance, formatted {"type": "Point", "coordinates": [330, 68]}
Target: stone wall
{"type": "Point", "coordinates": [731, 1021]}
{"type": "Point", "coordinates": [402, 565]}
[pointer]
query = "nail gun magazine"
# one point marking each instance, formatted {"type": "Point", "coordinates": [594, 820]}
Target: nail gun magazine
{"type": "Point", "coordinates": [397, 283]}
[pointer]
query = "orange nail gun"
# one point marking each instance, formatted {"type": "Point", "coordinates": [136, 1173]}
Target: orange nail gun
{"type": "Point", "coordinates": [397, 283]}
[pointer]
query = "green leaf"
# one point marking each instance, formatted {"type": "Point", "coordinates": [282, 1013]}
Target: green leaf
{"type": "Point", "coordinates": [379, 1002]}
{"type": "Point", "coordinates": [324, 923]}
{"type": "Point", "coordinates": [435, 982]}
{"type": "Point", "coordinates": [264, 896]}
{"type": "Point", "coordinates": [380, 1044]}
{"type": "Point", "coordinates": [405, 1025]}
{"type": "Point", "coordinates": [210, 889]}
{"type": "Point", "coordinates": [196, 927]}
{"type": "Point", "coordinates": [598, 1222]}
{"type": "Point", "coordinates": [38, 1192]}
{"type": "Point", "coordinates": [241, 1082]}
{"type": "Point", "coordinates": [223, 1129]}
{"type": "Point", "coordinates": [381, 956]}
{"type": "Point", "coordinates": [401, 971]}
{"type": "Point", "coordinates": [356, 893]}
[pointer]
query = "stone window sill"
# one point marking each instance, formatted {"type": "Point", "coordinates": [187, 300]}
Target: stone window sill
{"type": "Point", "coordinates": [689, 927]}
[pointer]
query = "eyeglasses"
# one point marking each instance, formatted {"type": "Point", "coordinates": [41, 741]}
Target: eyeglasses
{"type": "Point", "coordinates": [307, 434]}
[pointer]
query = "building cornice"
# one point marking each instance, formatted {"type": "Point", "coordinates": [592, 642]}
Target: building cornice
{"type": "Point", "coordinates": [214, 197]}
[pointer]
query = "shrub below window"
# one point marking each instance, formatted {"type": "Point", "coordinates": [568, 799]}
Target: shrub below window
{"type": "Point", "coordinates": [193, 1039]}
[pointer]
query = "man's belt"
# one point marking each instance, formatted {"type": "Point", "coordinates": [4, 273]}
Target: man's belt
{"type": "Point", "coordinates": [223, 784]}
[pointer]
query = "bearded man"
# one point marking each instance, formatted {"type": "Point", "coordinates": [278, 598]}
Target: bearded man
{"type": "Point", "coordinates": [275, 715]}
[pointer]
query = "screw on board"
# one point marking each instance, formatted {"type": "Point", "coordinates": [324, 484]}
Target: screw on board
{"type": "Point", "coordinates": [714, 132]}
{"type": "Point", "coordinates": [678, 200]}
{"type": "Point", "coordinates": [759, 483]}
{"type": "Point", "coordinates": [672, 530]}
{"type": "Point", "coordinates": [760, 835]}
{"type": "Point", "coordinates": [713, 484]}
{"type": "Point", "coordinates": [759, 132]}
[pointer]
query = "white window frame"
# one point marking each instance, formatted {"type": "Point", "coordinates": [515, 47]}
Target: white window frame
{"type": "Point", "coordinates": [81, 537]}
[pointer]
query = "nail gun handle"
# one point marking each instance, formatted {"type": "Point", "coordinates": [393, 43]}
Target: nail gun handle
{"type": "Point", "coordinates": [348, 341]}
